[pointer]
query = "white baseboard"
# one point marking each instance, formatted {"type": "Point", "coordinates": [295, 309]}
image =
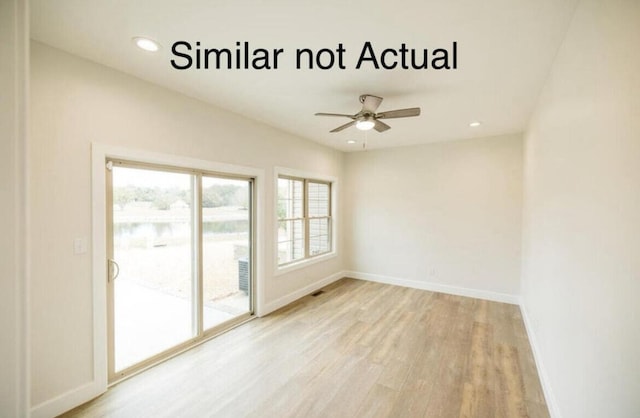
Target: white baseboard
{"type": "Point", "coordinates": [293, 296]}
{"type": "Point", "coordinates": [66, 401]}
{"type": "Point", "coordinates": [550, 399]}
{"type": "Point", "coordinates": [436, 287]}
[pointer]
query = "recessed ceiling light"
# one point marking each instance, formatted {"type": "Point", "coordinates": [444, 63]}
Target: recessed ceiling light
{"type": "Point", "coordinates": [475, 124]}
{"type": "Point", "coordinates": [146, 44]}
{"type": "Point", "coordinates": [351, 141]}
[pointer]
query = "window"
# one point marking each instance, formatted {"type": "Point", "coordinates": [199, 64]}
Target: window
{"type": "Point", "coordinates": [304, 219]}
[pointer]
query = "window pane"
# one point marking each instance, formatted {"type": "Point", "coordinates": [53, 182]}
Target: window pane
{"type": "Point", "coordinates": [319, 236]}
{"type": "Point", "coordinates": [290, 198]}
{"type": "Point", "coordinates": [226, 243]}
{"type": "Point", "coordinates": [290, 241]}
{"type": "Point", "coordinates": [318, 195]}
{"type": "Point", "coordinates": [153, 246]}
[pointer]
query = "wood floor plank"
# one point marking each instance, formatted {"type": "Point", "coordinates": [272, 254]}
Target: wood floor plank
{"type": "Point", "coordinates": [386, 345]}
{"type": "Point", "coordinates": [511, 401]}
{"type": "Point", "coordinates": [394, 374]}
{"type": "Point", "coordinates": [537, 410]}
{"type": "Point", "coordinates": [360, 349]}
{"type": "Point", "coordinates": [417, 389]}
{"type": "Point", "coordinates": [378, 403]}
{"type": "Point", "coordinates": [351, 394]}
{"type": "Point", "coordinates": [478, 394]}
{"type": "Point", "coordinates": [448, 389]}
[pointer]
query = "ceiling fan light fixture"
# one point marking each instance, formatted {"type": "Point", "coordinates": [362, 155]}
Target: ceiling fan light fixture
{"type": "Point", "coordinates": [146, 44]}
{"type": "Point", "coordinates": [351, 141]}
{"type": "Point", "coordinates": [367, 118]}
{"type": "Point", "coordinates": [365, 124]}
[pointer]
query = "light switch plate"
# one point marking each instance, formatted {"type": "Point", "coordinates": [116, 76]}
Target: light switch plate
{"type": "Point", "coordinates": [80, 246]}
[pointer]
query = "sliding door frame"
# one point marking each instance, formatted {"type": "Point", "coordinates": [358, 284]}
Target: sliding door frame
{"type": "Point", "coordinates": [197, 273]}
{"type": "Point", "coordinates": [101, 323]}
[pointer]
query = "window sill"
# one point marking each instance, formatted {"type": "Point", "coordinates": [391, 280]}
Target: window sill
{"type": "Point", "coordinates": [279, 271]}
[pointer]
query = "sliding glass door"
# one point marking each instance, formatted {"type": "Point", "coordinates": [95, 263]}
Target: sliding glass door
{"type": "Point", "coordinates": [180, 259]}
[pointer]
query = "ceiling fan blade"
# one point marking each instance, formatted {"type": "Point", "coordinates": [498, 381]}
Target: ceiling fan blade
{"type": "Point", "coordinates": [335, 114]}
{"type": "Point", "coordinates": [345, 126]}
{"type": "Point", "coordinates": [400, 113]}
{"type": "Point", "coordinates": [370, 103]}
{"type": "Point", "coordinates": [381, 126]}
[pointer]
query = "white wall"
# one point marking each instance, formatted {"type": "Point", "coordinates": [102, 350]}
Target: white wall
{"type": "Point", "coordinates": [13, 273]}
{"type": "Point", "coordinates": [445, 213]}
{"type": "Point", "coordinates": [581, 251]}
{"type": "Point", "coordinates": [75, 102]}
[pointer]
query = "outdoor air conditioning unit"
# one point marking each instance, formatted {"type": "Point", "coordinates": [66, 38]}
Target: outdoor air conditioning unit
{"type": "Point", "coordinates": [243, 274]}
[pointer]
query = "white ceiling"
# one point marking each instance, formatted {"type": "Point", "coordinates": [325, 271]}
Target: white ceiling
{"type": "Point", "coordinates": [505, 49]}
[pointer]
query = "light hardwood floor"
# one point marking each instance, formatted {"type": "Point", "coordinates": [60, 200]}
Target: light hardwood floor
{"type": "Point", "coordinates": [360, 349]}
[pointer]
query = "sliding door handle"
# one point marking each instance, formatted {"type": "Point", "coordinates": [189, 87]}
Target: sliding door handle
{"type": "Point", "coordinates": [113, 270]}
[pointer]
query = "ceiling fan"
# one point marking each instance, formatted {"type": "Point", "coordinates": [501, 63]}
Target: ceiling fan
{"type": "Point", "coordinates": [367, 118]}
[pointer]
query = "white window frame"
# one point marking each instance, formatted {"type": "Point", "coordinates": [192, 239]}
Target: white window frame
{"type": "Point", "coordinates": [333, 199]}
